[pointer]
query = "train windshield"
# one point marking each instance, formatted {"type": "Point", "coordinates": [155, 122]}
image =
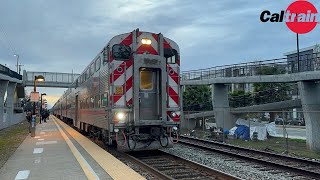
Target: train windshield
{"type": "Point", "coordinates": [121, 52]}
{"type": "Point", "coordinates": [146, 78]}
{"type": "Point", "coordinates": [170, 55]}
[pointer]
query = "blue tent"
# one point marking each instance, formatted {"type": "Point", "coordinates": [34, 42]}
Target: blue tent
{"type": "Point", "coordinates": [243, 132]}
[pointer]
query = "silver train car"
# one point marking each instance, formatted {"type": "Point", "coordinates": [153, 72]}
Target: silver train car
{"type": "Point", "coordinates": [129, 94]}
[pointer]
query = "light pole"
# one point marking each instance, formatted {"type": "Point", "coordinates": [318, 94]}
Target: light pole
{"type": "Point", "coordinates": [42, 94]}
{"type": "Point", "coordinates": [17, 55]}
{"type": "Point", "coordinates": [39, 78]}
{"type": "Point", "coordinates": [298, 53]}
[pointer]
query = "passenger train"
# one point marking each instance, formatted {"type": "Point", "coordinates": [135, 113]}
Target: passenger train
{"type": "Point", "coordinates": [129, 94]}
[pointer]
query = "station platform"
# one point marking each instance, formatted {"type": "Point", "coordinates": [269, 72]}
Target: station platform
{"type": "Point", "coordinates": [60, 152]}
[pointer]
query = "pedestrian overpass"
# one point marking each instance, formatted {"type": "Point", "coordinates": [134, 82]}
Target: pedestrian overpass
{"type": "Point", "coordinates": [305, 71]}
{"type": "Point", "coordinates": [52, 79]}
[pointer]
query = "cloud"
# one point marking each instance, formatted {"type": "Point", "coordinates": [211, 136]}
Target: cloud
{"type": "Point", "coordinates": [61, 36]}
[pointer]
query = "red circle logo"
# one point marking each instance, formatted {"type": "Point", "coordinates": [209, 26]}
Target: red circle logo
{"type": "Point", "coordinates": [301, 18]}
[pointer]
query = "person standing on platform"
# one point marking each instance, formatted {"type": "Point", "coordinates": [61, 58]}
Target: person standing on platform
{"type": "Point", "coordinates": [29, 117]}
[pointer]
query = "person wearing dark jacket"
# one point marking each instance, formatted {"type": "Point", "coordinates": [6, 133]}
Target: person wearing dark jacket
{"type": "Point", "coordinates": [44, 115]}
{"type": "Point", "coordinates": [29, 117]}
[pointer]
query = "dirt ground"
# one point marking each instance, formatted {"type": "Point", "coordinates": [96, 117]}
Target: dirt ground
{"type": "Point", "coordinates": [11, 138]}
{"type": "Point", "coordinates": [292, 147]}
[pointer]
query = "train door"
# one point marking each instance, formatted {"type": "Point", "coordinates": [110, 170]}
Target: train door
{"type": "Point", "coordinates": [149, 94]}
{"type": "Point", "coordinates": [76, 111]}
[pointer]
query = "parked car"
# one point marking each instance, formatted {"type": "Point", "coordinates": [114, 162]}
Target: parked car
{"type": "Point", "coordinates": [279, 121]}
{"type": "Point", "coordinates": [297, 122]}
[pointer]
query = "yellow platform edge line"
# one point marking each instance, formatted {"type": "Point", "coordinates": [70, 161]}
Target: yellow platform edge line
{"type": "Point", "coordinates": [84, 165]}
{"type": "Point", "coordinates": [114, 167]}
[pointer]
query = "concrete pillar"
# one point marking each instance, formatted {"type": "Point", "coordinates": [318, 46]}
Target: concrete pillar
{"type": "Point", "coordinates": [10, 102]}
{"type": "Point", "coordinates": [3, 89]}
{"type": "Point", "coordinates": [220, 104]}
{"type": "Point", "coordinates": [310, 100]}
{"type": "Point", "coordinates": [182, 118]}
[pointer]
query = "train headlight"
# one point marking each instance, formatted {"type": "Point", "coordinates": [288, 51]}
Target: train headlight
{"type": "Point", "coordinates": [120, 116]}
{"type": "Point", "coordinates": [146, 41]}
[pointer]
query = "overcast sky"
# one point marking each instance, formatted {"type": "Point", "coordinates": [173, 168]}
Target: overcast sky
{"type": "Point", "coordinates": [65, 35]}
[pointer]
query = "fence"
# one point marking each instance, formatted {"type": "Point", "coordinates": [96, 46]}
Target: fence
{"type": "Point", "coordinates": [6, 71]}
{"type": "Point", "coordinates": [307, 62]}
{"type": "Point", "coordinates": [275, 131]}
{"type": "Point", "coordinates": [53, 77]}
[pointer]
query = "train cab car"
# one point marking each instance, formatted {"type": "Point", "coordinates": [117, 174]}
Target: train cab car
{"type": "Point", "coordinates": [129, 94]}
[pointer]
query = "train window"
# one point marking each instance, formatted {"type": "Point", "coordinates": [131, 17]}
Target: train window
{"type": "Point", "coordinates": [92, 69]}
{"type": "Point", "coordinates": [121, 52]}
{"type": "Point", "coordinates": [170, 55]}
{"type": "Point", "coordinates": [146, 80]}
{"type": "Point", "coordinates": [98, 63]}
{"type": "Point", "coordinates": [106, 55]}
{"type": "Point", "coordinates": [104, 100]}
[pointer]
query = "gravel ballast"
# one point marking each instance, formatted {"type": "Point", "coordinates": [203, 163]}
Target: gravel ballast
{"type": "Point", "coordinates": [224, 163]}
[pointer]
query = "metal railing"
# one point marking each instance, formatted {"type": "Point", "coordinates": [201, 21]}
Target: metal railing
{"type": "Point", "coordinates": [53, 77]}
{"type": "Point", "coordinates": [6, 71]}
{"type": "Point", "coordinates": [279, 131]}
{"type": "Point", "coordinates": [308, 62]}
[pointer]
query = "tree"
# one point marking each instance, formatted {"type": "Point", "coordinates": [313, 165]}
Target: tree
{"type": "Point", "coordinates": [197, 98]}
{"type": "Point", "coordinates": [240, 98]}
{"type": "Point", "coordinates": [270, 92]}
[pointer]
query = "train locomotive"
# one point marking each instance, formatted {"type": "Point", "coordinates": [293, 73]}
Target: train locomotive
{"type": "Point", "coordinates": [129, 94]}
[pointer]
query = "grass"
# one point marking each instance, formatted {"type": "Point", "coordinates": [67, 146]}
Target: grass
{"type": "Point", "coordinates": [296, 147]}
{"type": "Point", "coordinates": [11, 138]}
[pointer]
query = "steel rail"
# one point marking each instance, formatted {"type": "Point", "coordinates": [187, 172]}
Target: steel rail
{"type": "Point", "coordinates": [225, 149]}
{"type": "Point", "coordinates": [179, 161]}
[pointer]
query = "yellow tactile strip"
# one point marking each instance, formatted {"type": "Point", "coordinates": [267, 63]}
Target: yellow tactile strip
{"type": "Point", "coordinates": [115, 168]}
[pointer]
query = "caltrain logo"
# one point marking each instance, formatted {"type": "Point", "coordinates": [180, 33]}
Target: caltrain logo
{"type": "Point", "coordinates": [301, 17]}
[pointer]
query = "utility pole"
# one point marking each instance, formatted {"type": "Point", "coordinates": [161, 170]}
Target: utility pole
{"type": "Point", "coordinates": [20, 68]}
{"type": "Point", "coordinates": [298, 53]}
{"type": "Point", "coordinates": [17, 55]}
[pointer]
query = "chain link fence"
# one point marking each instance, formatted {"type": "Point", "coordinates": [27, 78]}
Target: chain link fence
{"type": "Point", "coordinates": [274, 131]}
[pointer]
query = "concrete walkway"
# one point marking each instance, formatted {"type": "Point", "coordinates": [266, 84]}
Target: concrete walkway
{"type": "Point", "coordinates": [54, 154]}
{"type": "Point", "coordinates": [46, 156]}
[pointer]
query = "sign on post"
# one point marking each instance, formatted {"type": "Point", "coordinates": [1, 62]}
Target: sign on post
{"type": "Point", "coordinates": [34, 96]}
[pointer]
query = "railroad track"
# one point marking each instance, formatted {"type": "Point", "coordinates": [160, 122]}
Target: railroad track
{"type": "Point", "coordinates": [165, 166]}
{"type": "Point", "coordinates": [298, 166]}
{"type": "Point", "coordinates": [168, 166]}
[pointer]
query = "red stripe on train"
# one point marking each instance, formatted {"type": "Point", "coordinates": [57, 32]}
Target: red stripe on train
{"type": "Point", "coordinates": [146, 48]}
{"type": "Point", "coordinates": [127, 41]}
{"type": "Point", "coordinates": [155, 36]}
{"type": "Point", "coordinates": [166, 44]}
{"type": "Point", "coordinates": [174, 75]}
{"type": "Point", "coordinates": [173, 95]}
{"type": "Point", "coordinates": [118, 73]}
